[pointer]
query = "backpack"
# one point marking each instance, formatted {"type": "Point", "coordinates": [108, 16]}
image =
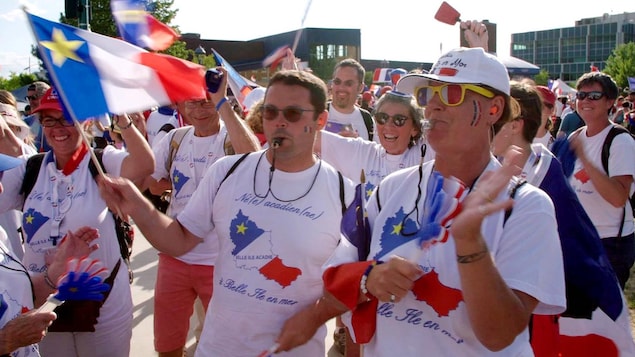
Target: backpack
{"type": "Point", "coordinates": [368, 120]}
{"type": "Point", "coordinates": [606, 150]}
{"type": "Point", "coordinates": [125, 232]}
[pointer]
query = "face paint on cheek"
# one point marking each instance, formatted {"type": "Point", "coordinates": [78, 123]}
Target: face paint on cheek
{"type": "Point", "coordinates": [308, 129]}
{"type": "Point", "coordinates": [476, 115]}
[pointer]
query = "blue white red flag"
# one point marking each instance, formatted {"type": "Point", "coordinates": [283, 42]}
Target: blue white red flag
{"type": "Point", "coordinates": [138, 27]}
{"type": "Point", "coordinates": [275, 57]}
{"type": "Point", "coordinates": [237, 83]}
{"type": "Point", "coordinates": [631, 83]}
{"type": "Point", "coordinates": [96, 74]}
{"type": "Point", "coordinates": [382, 75]}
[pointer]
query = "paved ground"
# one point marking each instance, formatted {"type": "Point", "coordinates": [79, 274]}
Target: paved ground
{"type": "Point", "coordinates": [144, 264]}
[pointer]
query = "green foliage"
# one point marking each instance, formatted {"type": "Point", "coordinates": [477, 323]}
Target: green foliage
{"type": "Point", "coordinates": [542, 78]}
{"type": "Point", "coordinates": [16, 81]}
{"type": "Point", "coordinates": [621, 64]}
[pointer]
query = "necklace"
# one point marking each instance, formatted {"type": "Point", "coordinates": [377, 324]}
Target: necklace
{"type": "Point", "coordinates": [271, 171]}
{"type": "Point", "coordinates": [23, 270]}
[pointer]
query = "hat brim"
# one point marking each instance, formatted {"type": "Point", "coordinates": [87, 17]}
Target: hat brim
{"type": "Point", "coordinates": [8, 162]}
{"type": "Point", "coordinates": [47, 106]}
{"type": "Point", "coordinates": [409, 83]}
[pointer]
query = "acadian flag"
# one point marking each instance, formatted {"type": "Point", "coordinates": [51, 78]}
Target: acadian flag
{"type": "Point", "coordinates": [96, 74]}
{"type": "Point", "coordinates": [138, 27]}
{"type": "Point", "coordinates": [237, 83]}
{"type": "Point", "coordinates": [382, 75]}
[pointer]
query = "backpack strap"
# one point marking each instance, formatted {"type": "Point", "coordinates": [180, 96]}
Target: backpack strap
{"type": "Point", "coordinates": [167, 127]}
{"type": "Point", "coordinates": [368, 121]}
{"type": "Point", "coordinates": [33, 165]}
{"type": "Point", "coordinates": [512, 194]}
{"type": "Point", "coordinates": [606, 152]}
{"type": "Point", "coordinates": [177, 138]}
{"type": "Point", "coordinates": [341, 179]}
{"type": "Point", "coordinates": [232, 169]}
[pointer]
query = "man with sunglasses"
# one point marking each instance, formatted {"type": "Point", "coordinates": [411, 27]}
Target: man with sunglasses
{"type": "Point", "coordinates": [180, 168]}
{"type": "Point", "coordinates": [604, 191]}
{"type": "Point", "coordinates": [276, 216]}
{"type": "Point", "coordinates": [470, 293]}
{"type": "Point", "coordinates": [345, 117]}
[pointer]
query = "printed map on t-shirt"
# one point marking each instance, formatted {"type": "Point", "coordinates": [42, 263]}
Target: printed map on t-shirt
{"type": "Point", "coordinates": [32, 220]}
{"type": "Point", "coordinates": [254, 250]}
{"type": "Point", "coordinates": [179, 179]}
{"type": "Point", "coordinates": [400, 229]}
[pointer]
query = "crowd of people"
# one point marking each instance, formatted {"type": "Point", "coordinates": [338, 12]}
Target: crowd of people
{"type": "Point", "coordinates": [478, 202]}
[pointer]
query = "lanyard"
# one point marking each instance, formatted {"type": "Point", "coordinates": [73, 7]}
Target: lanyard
{"type": "Point", "coordinates": [61, 189]}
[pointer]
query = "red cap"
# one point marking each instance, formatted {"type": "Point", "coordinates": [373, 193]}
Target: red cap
{"type": "Point", "coordinates": [384, 89]}
{"type": "Point", "coordinates": [547, 95]}
{"type": "Point", "coordinates": [50, 100]}
{"type": "Point", "coordinates": [367, 96]}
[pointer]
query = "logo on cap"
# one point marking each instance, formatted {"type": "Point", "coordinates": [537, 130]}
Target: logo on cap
{"type": "Point", "coordinates": [447, 71]}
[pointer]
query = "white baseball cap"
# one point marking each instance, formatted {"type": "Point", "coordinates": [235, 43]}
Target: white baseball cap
{"type": "Point", "coordinates": [462, 66]}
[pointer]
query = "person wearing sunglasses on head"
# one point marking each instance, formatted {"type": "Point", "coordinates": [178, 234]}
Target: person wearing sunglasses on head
{"type": "Point", "coordinates": [398, 122]}
{"type": "Point", "coordinates": [276, 216]}
{"type": "Point", "coordinates": [470, 292]}
{"type": "Point", "coordinates": [63, 196]}
{"type": "Point", "coordinates": [604, 185]}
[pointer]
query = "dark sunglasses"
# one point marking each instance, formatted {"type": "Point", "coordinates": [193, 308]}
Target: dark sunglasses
{"type": "Point", "coordinates": [49, 122]}
{"type": "Point", "coordinates": [291, 114]}
{"type": "Point", "coordinates": [32, 97]}
{"type": "Point", "coordinates": [593, 95]}
{"type": "Point", "coordinates": [382, 118]}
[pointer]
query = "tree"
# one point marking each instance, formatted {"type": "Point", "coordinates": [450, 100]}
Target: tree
{"type": "Point", "coordinates": [542, 78]}
{"type": "Point", "coordinates": [15, 81]}
{"type": "Point", "coordinates": [621, 64]}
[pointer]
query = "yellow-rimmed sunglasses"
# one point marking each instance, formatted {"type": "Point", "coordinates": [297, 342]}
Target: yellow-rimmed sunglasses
{"type": "Point", "coordinates": [451, 94]}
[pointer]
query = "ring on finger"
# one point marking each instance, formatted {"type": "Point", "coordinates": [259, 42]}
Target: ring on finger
{"type": "Point", "coordinates": [392, 298]}
{"type": "Point", "coordinates": [487, 197]}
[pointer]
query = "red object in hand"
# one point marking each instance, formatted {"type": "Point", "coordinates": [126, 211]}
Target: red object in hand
{"type": "Point", "coordinates": [447, 14]}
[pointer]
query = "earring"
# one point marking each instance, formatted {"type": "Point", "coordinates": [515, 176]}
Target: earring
{"type": "Point", "coordinates": [493, 110]}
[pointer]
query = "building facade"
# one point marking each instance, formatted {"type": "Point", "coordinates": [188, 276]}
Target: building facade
{"type": "Point", "coordinates": [567, 53]}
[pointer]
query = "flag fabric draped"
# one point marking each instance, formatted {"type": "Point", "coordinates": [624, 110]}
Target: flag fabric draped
{"type": "Point", "coordinates": [354, 224]}
{"type": "Point", "coordinates": [631, 83]}
{"type": "Point", "coordinates": [96, 74]}
{"type": "Point", "coordinates": [138, 27]}
{"type": "Point", "coordinates": [382, 75]}
{"type": "Point", "coordinates": [275, 57]}
{"type": "Point", "coordinates": [237, 83]}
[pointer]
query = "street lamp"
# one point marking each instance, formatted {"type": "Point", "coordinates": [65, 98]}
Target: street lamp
{"type": "Point", "coordinates": [200, 53]}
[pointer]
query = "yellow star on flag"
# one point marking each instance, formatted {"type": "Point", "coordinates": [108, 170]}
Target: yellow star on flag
{"type": "Point", "coordinates": [396, 229]}
{"type": "Point", "coordinates": [61, 48]}
{"type": "Point", "coordinates": [29, 219]}
{"type": "Point", "coordinates": [241, 228]}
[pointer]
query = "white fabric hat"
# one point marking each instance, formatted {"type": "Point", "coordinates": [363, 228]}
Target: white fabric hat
{"type": "Point", "coordinates": [463, 66]}
{"type": "Point", "coordinates": [252, 97]}
{"type": "Point", "coordinates": [11, 116]}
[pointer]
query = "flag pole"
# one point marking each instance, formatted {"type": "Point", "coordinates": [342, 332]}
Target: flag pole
{"type": "Point", "coordinates": [297, 35]}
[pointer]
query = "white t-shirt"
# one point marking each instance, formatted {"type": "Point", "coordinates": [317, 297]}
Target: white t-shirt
{"type": "Point", "coordinates": [527, 256]}
{"type": "Point", "coordinates": [79, 204]}
{"type": "Point", "coordinates": [154, 123]}
{"type": "Point", "coordinates": [194, 156]}
{"type": "Point", "coordinates": [545, 140]}
{"type": "Point", "coordinates": [271, 252]}
{"type": "Point", "coordinates": [604, 216]}
{"type": "Point", "coordinates": [354, 119]}
{"type": "Point", "coordinates": [105, 122]}
{"type": "Point", "coordinates": [352, 155]}
{"type": "Point", "coordinates": [15, 293]}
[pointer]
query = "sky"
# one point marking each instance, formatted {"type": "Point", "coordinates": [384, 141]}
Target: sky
{"type": "Point", "coordinates": [399, 30]}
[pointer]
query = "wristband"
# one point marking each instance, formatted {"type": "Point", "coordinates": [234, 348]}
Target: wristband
{"type": "Point", "coordinates": [362, 282]}
{"type": "Point", "coordinates": [124, 127]}
{"type": "Point", "coordinates": [220, 102]}
{"type": "Point", "coordinates": [48, 281]}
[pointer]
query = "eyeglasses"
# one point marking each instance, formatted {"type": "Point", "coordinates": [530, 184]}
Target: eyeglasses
{"type": "Point", "coordinates": [291, 114]}
{"type": "Point", "coordinates": [32, 97]}
{"type": "Point", "coordinates": [593, 95]}
{"type": "Point", "coordinates": [49, 122]}
{"type": "Point", "coordinates": [450, 94]}
{"type": "Point", "coordinates": [348, 83]}
{"type": "Point", "coordinates": [398, 119]}
{"type": "Point", "coordinates": [193, 104]}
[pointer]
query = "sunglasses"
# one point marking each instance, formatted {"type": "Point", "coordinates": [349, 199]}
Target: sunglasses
{"type": "Point", "coordinates": [291, 114]}
{"type": "Point", "coordinates": [49, 122]}
{"type": "Point", "coordinates": [206, 104]}
{"type": "Point", "coordinates": [382, 119]}
{"type": "Point", "coordinates": [593, 95]}
{"type": "Point", "coordinates": [450, 94]}
{"type": "Point", "coordinates": [31, 97]}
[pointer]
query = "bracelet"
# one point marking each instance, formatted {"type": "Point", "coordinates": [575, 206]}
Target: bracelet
{"type": "Point", "coordinates": [362, 282]}
{"type": "Point", "coordinates": [220, 102]}
{"type": "Point", "coordinates": [124, 127]}
{"type": "Point", "coordinates": [48, 281]}
{"type": "Point", "coordinates": [471, 258]}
